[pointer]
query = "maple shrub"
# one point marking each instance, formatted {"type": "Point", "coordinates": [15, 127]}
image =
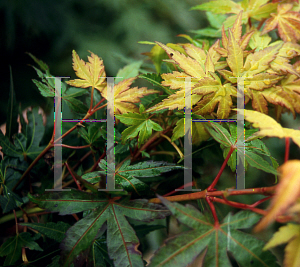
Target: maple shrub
{"type": "Point", "coordinates": [78, 225]}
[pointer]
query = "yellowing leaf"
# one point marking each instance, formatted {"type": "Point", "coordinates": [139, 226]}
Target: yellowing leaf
{"type": "Point", "coordinates": [124, 96]}
{"type": "Point", "coordinates": [259, 42]}
{"type": "Point", "coordinates": [268, 126]}
{"type": "Point", "coordinates": [287, 22]}
{"type": "Point", "coordinates": [289, 233]}
{"type": "Point", "coordinates": [235, 55]}
{"type": "Point", "coordinates": [291, 86]}
{"type": "Point", "coordinates": [189, 65]}
{"type": "Point", "coordinates": [214, 93]}
{"type": "Point", "coordinates": [287, 191]}
{"type": "Point", "coordinates": [91, 73]}
{"type": "Point", "coordinates": [259, 61]}
{"type": "Point", "coordinates": [174, 101]}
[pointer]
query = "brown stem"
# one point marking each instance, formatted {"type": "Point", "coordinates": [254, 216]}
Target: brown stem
{"type": "Point", "coordinates": [73, 147]}
{"type": "Point", "coordinates": [101, 157]}
{"type": "Point", "coordinates": [198, 195]}
{"type": "Point", "coordinates": [92, 98]}
{"type": "Point", "coordinates": [74, 178]}
{"type": "Point", "coordinates": [281, 218]}
{"type": "Point", "coordinates": [287, 149]}
{"type": "Point", "coordinates": [260, 24]}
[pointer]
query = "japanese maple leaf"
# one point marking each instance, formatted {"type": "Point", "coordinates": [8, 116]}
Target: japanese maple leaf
{"type": "Point", "coordinates": [91, 73]}
{"type": "Point", "coordinates": [290, 234]}
{"type": "Point", "coordinates": [253, 72]}
{"type": "Point", "coordinates": [281, 64]}
{"type": "Point", "coordinates": [197, 66]}
{"type": "Point", "coordinates": [287, 22]}
{"type": "Point", "coordinates": [256, 9]}
{"type": "Point", "coordinates": [139, 124]}
{"type": "Point", "coordinates": [242, 41]}
{"type": "Point", "coordinates": [214, 94]}
{"type": "Point", "coordinates": [130, 177]}
{"type": "Point", "coordinates": [122, 241]}
{"type": "Point", "coordinates": [269, 127]}
{"type": "Point", "coordinates": [182, 249]}
{"type": "Point", "coordinates": [124, 96]}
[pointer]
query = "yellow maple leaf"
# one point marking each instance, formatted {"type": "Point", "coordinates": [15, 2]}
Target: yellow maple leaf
{"type": "Point", "coordinates": [124, 96]}
{"type": "Point", "coordinates": [91, 73]}
{"type": "Point", "coordinates": [290, 234]}
{"type": "Point", "coordinates": [268, 126]}
{"type": "Point", "coordinates": [287, 191]}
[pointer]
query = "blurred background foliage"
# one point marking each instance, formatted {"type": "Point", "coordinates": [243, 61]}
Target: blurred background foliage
{"type": "Point", "coordinates": [51, 29]}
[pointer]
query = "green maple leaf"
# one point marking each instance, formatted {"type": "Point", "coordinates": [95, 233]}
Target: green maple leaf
{"type": "Point", "coordinates": [12, 247]}
{"type": "Point", "coordinates": [26, 144]}
{"type": "Point", "coordinates": [122, 242]}
{"type": "Point", "coordinates": [140, 124]}
{"type": "Point", "coordinates": [218, 240]}
{"type": "Point", "coordinates": [252, 148]}
{"type": "Point", "coordinates": [126, 175]}
{"type": "Point", "coordinates": [52, 230]}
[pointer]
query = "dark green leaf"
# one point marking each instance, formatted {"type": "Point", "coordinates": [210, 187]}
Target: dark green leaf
{"type": "Point", "coordinates": [122, 241]}
{"type": "Point", "coordinates": [52, 230]}
{"type": "Point", "coordinates": [218, 239]}
{"type": "Point", "coordinates": [12, 247]}
{"type": "Point", "coordinates": [45, 89]}
{"type": "Point", "coordinates": [76, 105]}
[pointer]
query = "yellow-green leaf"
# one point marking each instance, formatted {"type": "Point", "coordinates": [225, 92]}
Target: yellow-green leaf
{"type": "Point", "coordinates": [91, 73]}
{"type": "Point", "coordinates": [269, 127]}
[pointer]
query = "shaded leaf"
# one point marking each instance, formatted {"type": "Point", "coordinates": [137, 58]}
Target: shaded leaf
{"type": "Point", "coordinates": [12, 247]}
{"type": "Point", "coordinates": [122, 242]}
{"type": "Point", "coordinates": [52, 230]}
{"type": "Point", "coordinates": [217, 239]}
{"type": "Point", "coordinates": [126, 174]}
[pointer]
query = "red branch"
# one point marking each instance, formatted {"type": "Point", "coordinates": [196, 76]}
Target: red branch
{"type": "Point", "coordinates": [211, 187]}
{"type": "Point", "coordinates": [287, 149]}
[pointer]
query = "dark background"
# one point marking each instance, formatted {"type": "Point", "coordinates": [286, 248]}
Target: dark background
{"type": "Point", "coordinates": [51, 29]}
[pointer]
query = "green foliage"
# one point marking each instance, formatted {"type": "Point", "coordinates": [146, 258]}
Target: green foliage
{"type": "Point", "coordinates": [97, 226]}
